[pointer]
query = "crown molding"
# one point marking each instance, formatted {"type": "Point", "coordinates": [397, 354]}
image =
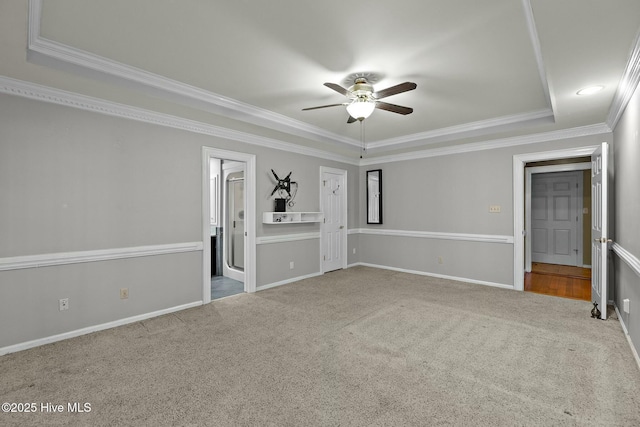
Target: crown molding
{"type": "Point", "coordinates": [69, 99]}
{"type": "Point", "coordinates": [462, 131]}
{"type": "Point", "coordinates": [627, 85]}
{"type": "Point", "coordinates": [49, 52]}
{"type": "Point", "coordinates": [597, 129]}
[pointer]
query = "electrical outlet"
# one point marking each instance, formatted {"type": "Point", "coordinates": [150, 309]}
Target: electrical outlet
{"type": "Point", "coordinates": [291, 265]}
{"type": "Point", "coordinates": [494, 209]}
{"type": "Point", "coordinates": [63, 304]}
{"type": "Point", "coordinates": [625, 305]}
{"type": "Point", "coordinates": [440, 260]}
{"type": "Point", "coordinates": [354, 251]}
{"type": "Point", "coordinates": [124, 293]}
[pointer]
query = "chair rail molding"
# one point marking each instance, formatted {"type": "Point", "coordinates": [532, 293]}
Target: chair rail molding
{"type": "Point", "coordinates": [64, 258]}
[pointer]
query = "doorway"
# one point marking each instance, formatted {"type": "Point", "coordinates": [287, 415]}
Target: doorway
{"type": "Point", "coordinates": [228, 223]}
{"type": "Point", "coordinates": [522, 199]}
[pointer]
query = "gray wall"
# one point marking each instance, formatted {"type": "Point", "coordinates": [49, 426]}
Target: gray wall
{"type": "Point", "coordinates": [451, 194]}
{"type": "Point", "coordinates": [626, 158]}
{"type": "Point", "coordinates": [72, 180]}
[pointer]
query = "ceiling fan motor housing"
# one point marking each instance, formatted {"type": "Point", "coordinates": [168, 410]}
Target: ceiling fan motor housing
{"type": "Point", "coordinates": [361, 89]}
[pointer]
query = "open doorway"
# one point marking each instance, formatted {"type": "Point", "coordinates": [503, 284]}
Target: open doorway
{"type": "Point", "coordinates": [522, 190]}
{"type": "Point", "coordinates": [557, 217]}
{"type": "Point", "coordinates": [228, 219]}
{"type": "Point", "coordinates": [227, 213]}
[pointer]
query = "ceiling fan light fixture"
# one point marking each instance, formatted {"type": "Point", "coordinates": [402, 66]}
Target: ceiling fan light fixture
{"type": "Point", "coordinates": [590, 90]}
{"type": "Point", "coordinates": [361, 108]}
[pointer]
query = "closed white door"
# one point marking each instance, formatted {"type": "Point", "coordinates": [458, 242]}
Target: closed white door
{"type": "Point", "coordinates": [334, 227]}
{"type": "Point", "coordinates": [599, 227]}
{"type": "Point", "coordinates": [555, 201]}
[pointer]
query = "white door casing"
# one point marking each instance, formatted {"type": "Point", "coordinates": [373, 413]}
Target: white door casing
{"type": "Point", "coordinates": [333, 230]}
{"type": "Point", "coordinates": [599, 227]}
{"type": "Point", "coordinates": [250, 217]}
{"type": "Point", "coordinates": [555, 218]}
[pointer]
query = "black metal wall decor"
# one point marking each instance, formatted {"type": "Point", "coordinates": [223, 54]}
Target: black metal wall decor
{"type": "Point", "coordinates": [286, 190]}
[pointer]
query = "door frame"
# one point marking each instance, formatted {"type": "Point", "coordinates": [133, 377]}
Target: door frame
{"type": "Point", "coordinates": [519, 162]}
{"type": "Point", "coordinates": [345, 210]}
{"type": "Point", "coordinates": [250, 217]}
{"type": "Point", "coordinates": [570, 167]}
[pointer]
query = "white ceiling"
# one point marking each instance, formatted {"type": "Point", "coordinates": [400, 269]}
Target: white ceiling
{"type": "Point", "coordinates": [484, 69]}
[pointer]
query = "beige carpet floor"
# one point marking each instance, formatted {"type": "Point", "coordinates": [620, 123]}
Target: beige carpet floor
{"type": "Point", "coordinates": [357, 347]}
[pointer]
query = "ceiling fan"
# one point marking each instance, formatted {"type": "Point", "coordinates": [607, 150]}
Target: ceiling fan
{"type": "Point", "coordinates": [362, 99]}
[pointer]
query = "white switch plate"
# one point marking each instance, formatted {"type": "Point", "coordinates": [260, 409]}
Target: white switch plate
{"type": "Point", "coordinates": [494, 209]}
{"type": "Point", "coordinates": [291, 265]}
{"type": "Point", "coordinates": [625, 305]}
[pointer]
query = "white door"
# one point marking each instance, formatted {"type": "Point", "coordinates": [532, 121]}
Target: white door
{"type": "Point", "coordinates": [333, 229]}
{"type": "Point", "coordinates": [599, 227]}
{"type": "Point", "coordinates": [555, 200]}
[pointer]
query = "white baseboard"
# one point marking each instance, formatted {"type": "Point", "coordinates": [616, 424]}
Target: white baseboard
{"type": "Point", "coordinates": [626, 334]}
{"type": "Point", "coordinates": [284, 282]}
{"type": "Point", "coordinates": [72, 334]}
{"type": "Point", "coordinates": [440, 276]}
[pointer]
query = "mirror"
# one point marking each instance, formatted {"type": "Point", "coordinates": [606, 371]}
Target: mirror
{"type": "Point", "coordinates": [374, 196]}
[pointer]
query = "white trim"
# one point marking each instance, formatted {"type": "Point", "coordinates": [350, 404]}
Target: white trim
{"type": "Point", "coordinates": [486, 238]}
{"type": "Point", "coordinates": [627, 257]}
{"type": "Point", "coordinates": [627, 85]}
{"type": "Point", "coordinates": [519, 162]}
{"type": "Point", "coordinates": [38, 92]}
{"type": "Point", "coordinates": [597, 129]}
{"type": "Point", "coordinates": [90, 329]}
{"type": "Point", "coordinates": [282, 238]}
{"type": "Point", "coordinates": [64, 258]}
{"type": "Point", "coordinates": [287, 281]}
{"type": "Point", "coordinates": [250, 271]}
{"type": "Point", "coordinates": [464, 130]}
{"type": "Point", "coordinates": [439, 276]}
{"type": "Point", "coordinates": [50, 52]}
{"type": "Point", "coordinates": [626, 334]}
{"type": "Point", "coordinates": [537, 49]}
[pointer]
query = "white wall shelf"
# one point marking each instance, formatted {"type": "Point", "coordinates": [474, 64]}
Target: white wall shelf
{"type": "Point", "coordinates": [291, 217]}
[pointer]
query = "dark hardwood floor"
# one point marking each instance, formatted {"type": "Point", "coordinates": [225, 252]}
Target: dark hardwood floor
{"type": "Point", "coordinates": [559, 280]}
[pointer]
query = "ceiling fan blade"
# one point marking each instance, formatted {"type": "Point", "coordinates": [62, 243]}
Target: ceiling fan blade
{"type": "Point", "coordinates": [351, 119]}
{"type": "Point", "coordinates": [394, 108]}
{"type": "Point", "coordinates": [393, 90]}
{"type": "Point", "coordinates": [338, 88]}
{"type": "Point", "coordinates": [322, 106]}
